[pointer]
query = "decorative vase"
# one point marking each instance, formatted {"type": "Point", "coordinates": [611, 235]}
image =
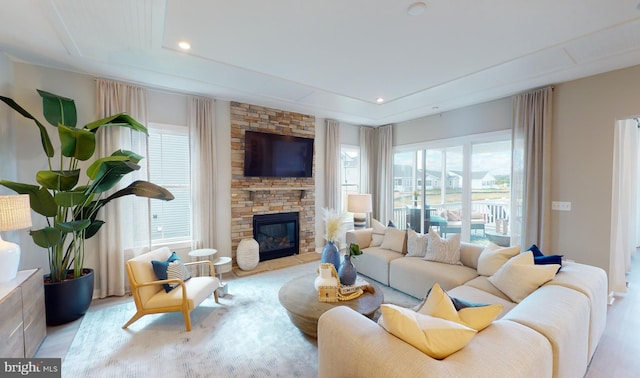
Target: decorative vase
{"type": "Point", "coordinates": [330, 254]}
{"type": "Point", "coordinates": [248, 254]}
{"type": "Point", "coordinates": [325, 278]}
{"type": "Point", "coordinates": [347, 272]}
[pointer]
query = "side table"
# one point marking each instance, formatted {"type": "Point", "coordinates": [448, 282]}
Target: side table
{"type": "Point", "coordinates": [220, 266]}
{"type": "Point", "coordinates": [200, 254]}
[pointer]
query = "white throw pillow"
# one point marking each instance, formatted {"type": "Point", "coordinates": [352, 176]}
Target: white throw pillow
{"type": "Point", "coordinates": [493, 257]}
{"type": "Point", "coordinates": [520, 277]}
{"type": "Point", "coordinates": [378, 233]}
{"type": "Point", "coordinates": [438, 338]}
{"type": "Point", "coordinates": [393, 239]}
{"type": "Point", "coordinates": [443, 250]}
{"type": "Point", "coordinates": [416, 244]}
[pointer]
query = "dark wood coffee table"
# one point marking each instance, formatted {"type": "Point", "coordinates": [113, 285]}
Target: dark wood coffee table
{"type": "Point", "coordinates": [300, 299]}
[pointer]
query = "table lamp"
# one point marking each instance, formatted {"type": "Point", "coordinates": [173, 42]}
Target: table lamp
{"type": "Point", "coordinates": [15, 214]}
{"type": "Point", "coordinates": [359, 205]}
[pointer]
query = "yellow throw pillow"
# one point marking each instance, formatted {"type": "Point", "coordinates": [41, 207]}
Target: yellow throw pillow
{"type": "Point", "coordinates": [438, 338]}
{"type": "Point", "coordinates": [493, 257]}
{"type": "Point", "coordinates": [520, 277]}
{"type": "Point", "coordinates": [439, 304]}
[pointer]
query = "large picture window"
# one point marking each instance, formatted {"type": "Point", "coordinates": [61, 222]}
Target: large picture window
{"type": "Point", "coordinates": [349, 173]}
{"type": "Point", "coordinates": [169, 167]}
{"type": "Point", "coordinates": [453, 186]}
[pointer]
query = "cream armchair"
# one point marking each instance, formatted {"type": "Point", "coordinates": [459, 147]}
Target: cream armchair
{"type": "Point", "coordinates": [150, 296]}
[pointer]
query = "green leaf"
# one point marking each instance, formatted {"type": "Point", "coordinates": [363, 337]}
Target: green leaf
{"type": "Point", "coordinates": [47, 237]}
{"type": "Point", "coordinates": [41, 200]}
{"type": "Point", "coordinates": [133, 157]}
{"type": "Point", "coordinates": [70, 199]}
{"type": "Point", "coordinates": [93, 229]}
{"type": "Point", "coordinates": [77, 143]}
{"type": "Point", "coordinates": [141, 189]}
{"type": "Point", "coordinates": [73, 226]}
{"type": "Point", "coordinates": [58, 180]}
{"type": "Point", "coordinates": [44, 136]}
{"type": "Point", "coordinates": [96, 166]}
{"type": "Point", "coordinates": [58, 110]}
{"type": "Point", "coordinates": [109, 174]}
{"type": "Point", "coordinates": [122, 120]}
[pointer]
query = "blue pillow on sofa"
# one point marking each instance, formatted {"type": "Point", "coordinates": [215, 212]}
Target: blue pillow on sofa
{"type": "Point", "coordinates": [172, 268]}
{"type": "Point", "coordinates": [540, 259]}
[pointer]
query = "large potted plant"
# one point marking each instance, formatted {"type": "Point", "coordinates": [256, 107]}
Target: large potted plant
{"type": "Point", "coordinates": [71, 201]}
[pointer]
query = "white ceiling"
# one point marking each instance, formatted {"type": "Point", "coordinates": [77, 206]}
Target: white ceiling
{"type": "Point", "coordinates": [330, 58]}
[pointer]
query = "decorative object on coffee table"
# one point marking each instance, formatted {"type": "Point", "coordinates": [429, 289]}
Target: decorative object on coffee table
{"type": "Point", "coordinates": [248, 254]}
{"type": "Point", "coordinates": [347, 271]}
{"type": "Point", "coordinates": [333, 231]}
{"type": "Point", "coordinates": [325, 278]}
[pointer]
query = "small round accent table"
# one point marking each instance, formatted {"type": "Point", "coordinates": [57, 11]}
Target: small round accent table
{"type": "Point", "coordinates": [201, 254]}
{"type": "Point", "coordinates": [220, 266]}
{"type": "Point", "coordinates": [300, 299]}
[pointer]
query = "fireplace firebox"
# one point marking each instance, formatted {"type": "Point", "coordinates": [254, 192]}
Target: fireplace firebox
{"type": "Point", "coordinates": [277, 234]}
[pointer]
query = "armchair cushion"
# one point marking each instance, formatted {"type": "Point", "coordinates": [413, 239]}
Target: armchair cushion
{"type": "Point", "coordinates": [170, 269]}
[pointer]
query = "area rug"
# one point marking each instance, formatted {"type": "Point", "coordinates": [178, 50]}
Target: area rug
{"type": "Point", "coordinates": [247, 334]}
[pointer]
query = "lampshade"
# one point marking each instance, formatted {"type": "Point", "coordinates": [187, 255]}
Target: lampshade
{"type": "Point", "coordinates": [359, 203]}
{"type": "Point", "coordinates": [15, 214]}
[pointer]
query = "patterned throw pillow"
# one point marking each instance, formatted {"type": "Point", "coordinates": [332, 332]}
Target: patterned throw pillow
{"type": "Point", "coordinates": [443, 250]}
{"type": "Point", "coordinates": [170, 269]}
{"type": "Point", "coordinates": [416, 244]}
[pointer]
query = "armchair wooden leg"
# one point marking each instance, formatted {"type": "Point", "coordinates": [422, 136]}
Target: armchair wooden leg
{"type": "Point", "coordinates": [134, 318]}
{"type": "Point", "coordinates": [187, 319]}
{"type": "Point", "coordinates": [215, 295]}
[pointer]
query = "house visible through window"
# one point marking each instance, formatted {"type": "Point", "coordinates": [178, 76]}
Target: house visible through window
{"type": "Point", "coordinates": [169, 167]}
{"type": "Point", "coordinates": [350, 172]}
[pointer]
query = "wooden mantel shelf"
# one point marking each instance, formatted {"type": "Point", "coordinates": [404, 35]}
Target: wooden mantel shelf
{"type": "Point", "coordinates": [301, 189]}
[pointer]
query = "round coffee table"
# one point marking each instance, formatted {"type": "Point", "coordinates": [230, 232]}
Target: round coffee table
{"type": "Point", "coordinates": [300, 299]}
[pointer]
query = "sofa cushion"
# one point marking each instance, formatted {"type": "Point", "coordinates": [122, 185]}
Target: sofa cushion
{"type": "Point", "coordinates": [493, 257]}
{"type": "Point", "coordinates": [416, 244]}
{"type": "Point", "coordinates": [519, 277]}
{"type": "Point", "coordinates": [414, 276]}
{"type": "Point", "coordinates": [483, 283]}
{"type": "Point", "coordinates": [378, 233]}
{"type": "Point", "coordinates": [394, 239]}
{"type": "Point", "coordinates": [436, 337]}
{"type": "Point", "coordinates": [443, 250]}
{"type": "Point", "coordinates": [171, 268]}
{"type": "Point", "coordinates": [473, 315]}
{"type": "Point", "coordinates": [374, 262]}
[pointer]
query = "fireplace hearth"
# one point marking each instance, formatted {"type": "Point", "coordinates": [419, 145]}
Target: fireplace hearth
{"type": "Point", "coordinates": [277, 234]}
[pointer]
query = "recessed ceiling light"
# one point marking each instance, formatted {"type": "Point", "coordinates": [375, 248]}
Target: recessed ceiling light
{"type": "Point", "coordinates": [416, 8]}
{"type": "Point", "coordinates": [184, 45]}
{"type": "Point", "coordinates": [379, 100]}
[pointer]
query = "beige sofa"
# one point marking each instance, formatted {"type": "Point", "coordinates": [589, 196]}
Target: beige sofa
{"type": "Point", "coordinates": [553, 332]}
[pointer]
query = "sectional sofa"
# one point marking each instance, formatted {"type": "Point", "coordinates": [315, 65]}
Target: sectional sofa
{"type": "Point", "coordinates": [552, 331]}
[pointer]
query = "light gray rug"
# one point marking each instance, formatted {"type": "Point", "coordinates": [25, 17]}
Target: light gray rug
{"type": "Point", "coordinates": [247, 334]}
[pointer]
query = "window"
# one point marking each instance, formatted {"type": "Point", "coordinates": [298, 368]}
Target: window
{"type": "Point", "coordinates": [169, 167]}
{"type": "Point", "coordinates": [465, 176]}
{"type": "Point", "coordinates": [349, 172]}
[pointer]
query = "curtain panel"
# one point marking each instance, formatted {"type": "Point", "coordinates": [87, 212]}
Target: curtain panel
{"type": "Point", "coordinates": [127, 228]}
{"type": "Point", "coordinates": [332, 166]}
{"type": "Point", "coordinates": [531, 168]}
{"type": "Point", "coordinates": [383, 192]}
{"type": "Point", "coordinates": [201, 121]}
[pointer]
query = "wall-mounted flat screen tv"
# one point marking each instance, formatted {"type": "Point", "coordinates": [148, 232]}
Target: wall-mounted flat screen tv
{"type": "Point", "coordinates": [274, 155]}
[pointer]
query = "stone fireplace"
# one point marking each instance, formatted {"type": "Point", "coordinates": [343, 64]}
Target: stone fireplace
{"type": "Point", "coordinates": [269, 195]}
{"type": "Point", "coordinates": [277, 234]}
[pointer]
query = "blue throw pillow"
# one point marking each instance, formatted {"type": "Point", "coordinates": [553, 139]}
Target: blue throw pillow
{"type": "Point", "coordinates": [391, 224]}
{"type": "Point", "coordinates": [170, 269]}
{"type": "Point", "coordinates": [540, 259]}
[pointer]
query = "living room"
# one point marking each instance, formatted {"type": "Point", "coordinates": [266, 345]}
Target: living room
{"type": "Point", "coordinates": [584, 112]}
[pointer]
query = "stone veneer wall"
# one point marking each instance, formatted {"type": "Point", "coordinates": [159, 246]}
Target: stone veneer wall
{"type": "Point", "coordinates": [284, 197]}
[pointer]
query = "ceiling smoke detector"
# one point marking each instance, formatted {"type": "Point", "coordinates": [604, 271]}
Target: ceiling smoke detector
{"type": "Point", "coordinates": [416, 8]}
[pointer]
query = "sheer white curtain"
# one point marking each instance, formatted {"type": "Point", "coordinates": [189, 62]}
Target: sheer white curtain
{"type": "Point", "coordinates": [201, 120]}
{"type": "Point", "coordinates": [624, 191]}
{"type": "Point", "coordinates": [127, 228]}
{"type": "Point", "coordinates": [332, 165]}
{"type": "Point", "coordinates": [367, 154]}
{"type": "Point", "coordinates": [383, 193]}
{"type": "Point", "coordinates": [531, 168]}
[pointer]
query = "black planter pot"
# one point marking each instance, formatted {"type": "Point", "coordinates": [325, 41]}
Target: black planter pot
{"type": "Point", "coordinates": [68, 300]}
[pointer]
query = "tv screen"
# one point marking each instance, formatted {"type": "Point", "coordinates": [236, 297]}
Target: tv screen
{"type": "Point", "coordinates": [274, 155]}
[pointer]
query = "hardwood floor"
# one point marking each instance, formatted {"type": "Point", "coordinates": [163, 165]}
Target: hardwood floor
{"type": "Point", "coordinates": [616, 356]}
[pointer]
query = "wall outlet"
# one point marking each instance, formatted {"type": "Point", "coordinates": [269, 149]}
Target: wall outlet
{"type": "Point", "coordinates": [561, 206]}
